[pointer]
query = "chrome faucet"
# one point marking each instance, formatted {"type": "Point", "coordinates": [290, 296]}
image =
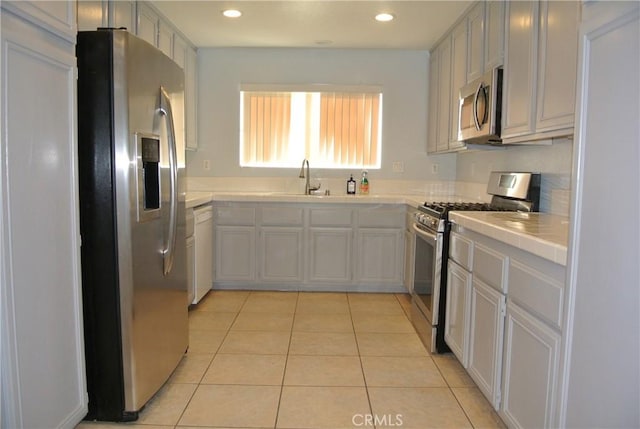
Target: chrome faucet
{"type": "Point", "coordinates": [308, 189]}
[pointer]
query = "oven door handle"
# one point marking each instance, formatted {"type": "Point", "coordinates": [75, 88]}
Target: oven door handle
{"type": "Point", "coordinates": [433, 238]}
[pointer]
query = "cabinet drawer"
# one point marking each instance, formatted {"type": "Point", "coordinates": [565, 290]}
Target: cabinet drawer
{"type": "Point", "coordinates": [537, 292]}
{"type": "Point", "coordinates": [330, 217]}
{"type": "Point", "coordinates": [381, 218]}
{"type": "Point", "coordinates": [235, 215]}
{"type": "Point", "coordinates": [461, 250]}
{"type": "Point", "coordinates": [490, 267]}
{"type": "Point", "coordinates": [282, 216]}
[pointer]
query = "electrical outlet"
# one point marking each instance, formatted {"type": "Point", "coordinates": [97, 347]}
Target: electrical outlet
{"type": "Point", "coordinates": [206, 164]}
{"type": "Point", "coordinates": [435, 168]}
{"type": "Point", "coordinates": [398, 167]}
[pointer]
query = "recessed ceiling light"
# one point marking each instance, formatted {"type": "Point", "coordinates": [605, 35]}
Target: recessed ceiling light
{"type": "Point", "coordinates": [232, 13]}
{"type": "Point", "coordinates": [384, 17]}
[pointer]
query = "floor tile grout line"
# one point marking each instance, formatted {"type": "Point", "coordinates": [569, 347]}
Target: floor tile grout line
{"type": "Point", "coordinates": [364, 376]}
{"type": "Point", "coordinates": [286, 362]}
{"type": "Point", "coordinates": [184, 410]}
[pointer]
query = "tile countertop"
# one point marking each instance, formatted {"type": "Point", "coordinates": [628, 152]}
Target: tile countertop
{"type": "Point", "coordinates": [542, 234]}
{"type": "Point", "coordinates": [194, 199]}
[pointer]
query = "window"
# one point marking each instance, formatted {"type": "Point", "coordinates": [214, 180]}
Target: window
{"type": "Point", "coordinates": [333, 128]}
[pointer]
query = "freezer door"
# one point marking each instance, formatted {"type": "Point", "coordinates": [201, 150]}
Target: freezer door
{"type": "Point", "coordinates": [150, 161]}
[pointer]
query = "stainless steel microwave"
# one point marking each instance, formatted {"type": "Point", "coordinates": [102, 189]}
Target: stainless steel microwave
{"type": "Point", "coordinates": [481, 108]}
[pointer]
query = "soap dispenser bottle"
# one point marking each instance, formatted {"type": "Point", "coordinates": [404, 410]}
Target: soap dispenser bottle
{"type": "Point", "coordinates": [351, 185]}
{"type": "Point", "coordinates": [364, 184]}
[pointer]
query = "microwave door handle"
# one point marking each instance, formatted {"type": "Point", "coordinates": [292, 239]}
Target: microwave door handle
{"type": "Point", "coordinates": [165, 109]}
{"type": "Point", "coordinates": [485, 95]}
{"type": "Point", "coordinates": [475, 107]}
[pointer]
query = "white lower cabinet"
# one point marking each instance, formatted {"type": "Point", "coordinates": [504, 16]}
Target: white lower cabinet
{"type": "Point", "coordinates": [486, 339]}
{"type": "Point", "coordinates": [513, 321]}
{"type": "Point", "coordinates": [282, 254]}
{"type": "Point", "coordinates": [235, 254]}
{"type": "Point", "coordinates": [330, 251]}
{"type": "Point", "coordinates": [380, 256]}
{"type": "Point", "coordinates": [341, 247]}
{"type": "Point", "coordinates": [530, 370]}
{"type": "Point", "coordinates": [203, 242]}
{"type": "Point", "coordinates": [456, 328]}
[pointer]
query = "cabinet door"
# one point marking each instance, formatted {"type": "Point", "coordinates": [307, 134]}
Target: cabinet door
{"type": "Point", "coordinates": [91, 15]}
{"type": "Point", "coordinates": [147, 27]}
{"type": "Point", "coordinates": [165, 38]}
{"type": "Point", "coordinates": [456, 327]}
{"type": "Point", "coordinates": [235, 253]}
{"type": "Point", "coordinates": [432, 123]}
{"type": "Point", "coordinates": [330, 251]}
{"type": "Point", "coordinates": [493, 34]}
{"type": "Point", "coordinates": [41, 337]}
{"type": "Point", "coordinates": [281, 254]}
{"type": "Point", "coordinates": [379, 255]}
{"type": "Point", "coordinates": [558, 52]}
{"type": "Point", "coordinates": [204, 252]}
{"type": "Point", "coordinates": [521, 53]}
{"type": "Point", "coordinates": [485, 339]}
{"type": "Point", "coordinates": [179, 51]}
{"type": "Point", "coordinates": [57, 17]}
{"type": "Point", "coordinates": [458, 80]}
{"type": "Point", "coordinates": [191, 98]}
{"type": "Point", "coordinates": [444, 95]}
{"type": "Point", "coordinates": [122, 14]}
{"type": "Point", "coordinates": [530, 371]}
{"type": "Point", "coordinates": [475, 29]}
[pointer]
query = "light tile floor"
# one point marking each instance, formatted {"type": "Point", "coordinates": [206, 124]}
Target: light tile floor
{"type": "Point", "coordinates": [310, 361]}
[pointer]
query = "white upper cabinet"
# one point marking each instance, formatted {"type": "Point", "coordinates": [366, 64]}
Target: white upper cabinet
{"type": "Point", "coordinates": [475, 33]}
{"type": "Point", "coordinates": [432, 122]}
{"type": "Point", "coordinates": [539, 70]}
{"type": "Point", "coordinates": [122, 14]}
{"type": "Point", "coordinates": [165, 38]}
{"type": "Point", "coordinates": [444, 95]}
{"type": "Point", "coordinates": [148, 22]}
{"type": "Point", "coordinates": [458, 80]}
{"type": "Point", "coordinates": [58, 17]}
{"type": "Point", "coordinates": [519, 70]}
{"type": "Point", "coordinates": [558, 51]}
{"type": "Point", "coordinates": [191, 98]}
{"type": "Point", "coordinates": [472, 47]}
{"type": "Point", "coordinates": [493, 34]}
{"type": "Point", "coordinates": [93, 14]}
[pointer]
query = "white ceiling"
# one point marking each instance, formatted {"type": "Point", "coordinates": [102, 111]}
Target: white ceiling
{"type": "Point", "coordinates": [418, 24]}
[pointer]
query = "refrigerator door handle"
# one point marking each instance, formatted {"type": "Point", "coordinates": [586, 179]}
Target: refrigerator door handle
{"type": "Point", "coordinates": [168, 252]}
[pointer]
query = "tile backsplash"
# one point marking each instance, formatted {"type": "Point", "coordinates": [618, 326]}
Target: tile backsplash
{"type": "Point", "coordinates": [552, 161]}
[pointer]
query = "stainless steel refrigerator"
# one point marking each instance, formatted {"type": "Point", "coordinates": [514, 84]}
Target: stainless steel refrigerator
{"type": "Point", "coordinates": [132, 219]}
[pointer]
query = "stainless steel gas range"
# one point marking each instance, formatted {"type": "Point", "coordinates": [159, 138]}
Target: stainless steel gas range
{"type": "Point", "coordinates": [510, 191]}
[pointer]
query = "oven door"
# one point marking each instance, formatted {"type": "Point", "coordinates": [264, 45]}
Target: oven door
{"type": "Point", "coordinates": [427, 272]}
